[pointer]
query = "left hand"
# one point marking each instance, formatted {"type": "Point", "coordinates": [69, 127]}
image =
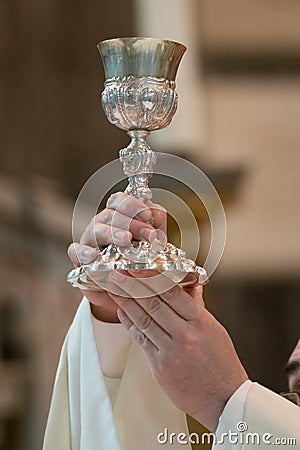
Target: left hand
{"type": "Point", "coordinates": [125, 217]}
{"type": "Point", "coordinates": [190, 353]}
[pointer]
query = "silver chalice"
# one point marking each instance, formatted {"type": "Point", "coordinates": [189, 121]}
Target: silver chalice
{"type": "Point", "coordinates": [139, 97]}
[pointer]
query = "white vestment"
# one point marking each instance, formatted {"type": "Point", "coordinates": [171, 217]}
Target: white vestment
{"type": "Point", "coordinates": [81, 415]}
{"type": "Point", "coordinates": [105, 398]}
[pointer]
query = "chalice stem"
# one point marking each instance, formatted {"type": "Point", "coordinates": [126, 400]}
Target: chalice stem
{"type": "Point", "coordinates": [138, 161]}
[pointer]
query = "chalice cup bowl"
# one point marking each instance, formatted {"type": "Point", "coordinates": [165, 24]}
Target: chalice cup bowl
{"type": "Point", "coordinates": [139, 97]}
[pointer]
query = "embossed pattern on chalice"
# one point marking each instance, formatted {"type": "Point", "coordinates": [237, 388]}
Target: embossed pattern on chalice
{"type": "Point", "coordinates": [139, 103]}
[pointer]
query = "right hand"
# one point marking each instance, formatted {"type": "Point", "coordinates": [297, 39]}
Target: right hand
{"type": "Point", "coordinates": [190, 353]}
{"type": "Point", "coordinates": [124, 218]}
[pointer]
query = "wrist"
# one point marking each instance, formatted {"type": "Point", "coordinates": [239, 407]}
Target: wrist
{"type": "Point", "coordinates": [209, 416]}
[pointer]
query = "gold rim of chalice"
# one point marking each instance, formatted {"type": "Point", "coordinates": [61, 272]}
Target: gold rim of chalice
{"type": "Point", "coordinates": [141, 57]}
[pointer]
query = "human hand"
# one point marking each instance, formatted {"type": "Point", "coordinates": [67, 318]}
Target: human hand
{"type": "Point", "coordinates": [124, 218]}
{"type": "Point", "coordinates": [190, 353]}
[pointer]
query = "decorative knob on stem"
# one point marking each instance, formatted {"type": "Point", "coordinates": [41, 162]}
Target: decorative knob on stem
{"type": "Point", "coordinates": [138, 161]}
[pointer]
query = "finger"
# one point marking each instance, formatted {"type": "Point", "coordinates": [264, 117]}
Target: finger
{"type": "Point", "coordinates": [81, 254]}
{"type": "Point", "coordinates": [196, 292]}
{"type": "Point", "coordinates": [177, 298]}
{"type": "Point", "coordinates": [184, 304]}
{"type": "Point", "coordinates": [130, 206]}
{"type": "Point", "coordinates": [156, 308]}
{"type": "Point", "coordinates": [159, 215]}
{"type": "Point", "coordinates": [139, 337]}
{"type": "Point", "coordinates": [139, 316]}
{"type": "Point", "coordinates": [124, 319]}
{"type": "Point", "coordinates": [99, 234]}
{"type": "Point", "coordinates": [138, 229]}
{"type": "Point", "coordinates": [132, 285]}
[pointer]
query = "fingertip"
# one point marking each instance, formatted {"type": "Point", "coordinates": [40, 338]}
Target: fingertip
{"type": "Point", "coordinates": [89, 254]}
{"type": "Point", "coordinates": [122, 237]}
{"type": "Point", "coordinates": [72, 254]}
{"type": "Point", "coordinates": [81, 254]}
{"type": "Point", "coordinates": [70, 249]}
{"type": "Point", "coordinates": [196, 292]}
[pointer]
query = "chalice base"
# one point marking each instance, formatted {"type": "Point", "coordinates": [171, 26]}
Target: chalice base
{"type": "Point", "coordinates": [170, 261]}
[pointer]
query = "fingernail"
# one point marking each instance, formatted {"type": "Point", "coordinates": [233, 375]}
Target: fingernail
{"type": "Point", "coordinates": [121, 237]}
{"type": "Point", "coordinates": [87, 252]}
{"type": "Point", "coordinates": [87, 255]}
{"type": "Point", "coordinates": [145, 233]}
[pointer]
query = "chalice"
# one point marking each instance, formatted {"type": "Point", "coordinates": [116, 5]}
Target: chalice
{"type": "Point", "coordinates": [139, 97]}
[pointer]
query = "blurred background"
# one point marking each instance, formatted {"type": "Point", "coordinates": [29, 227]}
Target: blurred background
{"type": "Point", "coordinates": [238, 119]}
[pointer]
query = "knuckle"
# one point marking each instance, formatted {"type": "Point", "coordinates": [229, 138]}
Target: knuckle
{"type": "Point", "coordinates": [97, 234]}
{"type": "Point", "coordinates": [107, 216]}
{"type": "Point", "coordinates": [154, 305]}
{"type": "Point", "coordinates": [126, 302]}
{"type": "Point", "coordinates": [115, 199]}
{"type": "Point", "coordinates": [145, 322]}
{"type": "Point", "coordinates": [140, 338]}
{"type": "Point", "coordinates": [173, 294]}
{"type": "Point", "coordinates": [137, 334]}
{"type": "Point", "coordinates": [112, 197]}
{"type": "Point", "coordinates": [188, 340]}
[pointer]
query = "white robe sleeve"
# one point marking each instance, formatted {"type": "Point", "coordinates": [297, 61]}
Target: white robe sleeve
{"type": "Point", "coordinates": [273, 418]}
{"type": "Point", "coordinates": [233, 414]}
{"type": "Point", "coordinates": [113, 344]}
{"type": "Point", "coordinates": [257, 418]}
